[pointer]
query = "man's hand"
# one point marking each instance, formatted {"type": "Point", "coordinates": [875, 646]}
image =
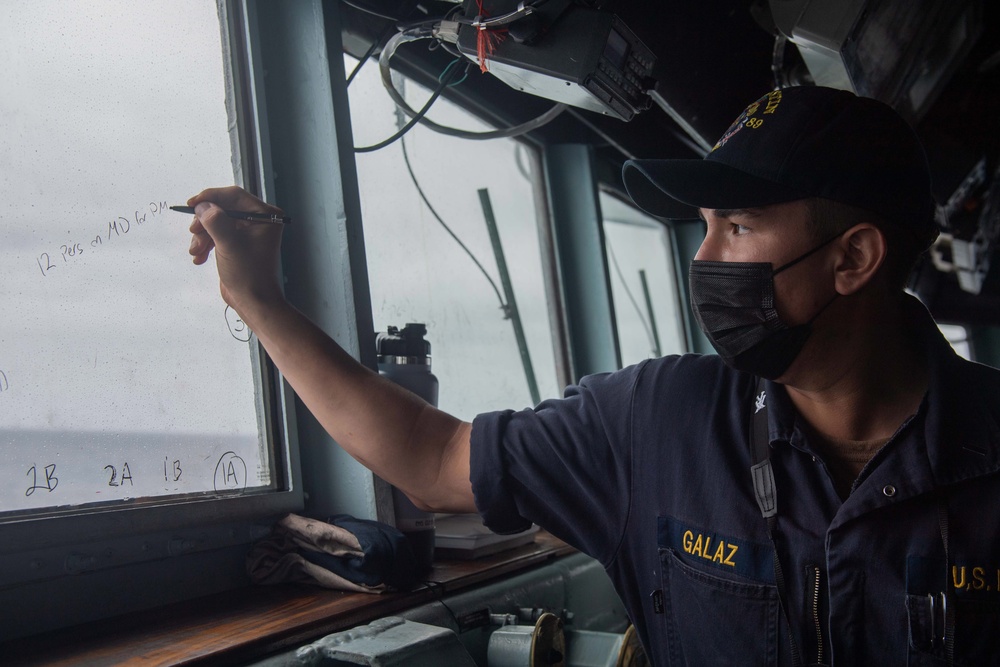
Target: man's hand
{"type": "Point", "coordinates": [247, 253]}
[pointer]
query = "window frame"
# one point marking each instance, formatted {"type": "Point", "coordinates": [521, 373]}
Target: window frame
{"type": "Point", "coordinates": [527, 156]}
{"type": "Point", "coordinates": [673, 261]}
{"type": "Point", "coordinates": [107, 563]}
{"type": "Point", "coordinates": [66, 566]}
{"type": "Point", "coordinates": [536, 149]}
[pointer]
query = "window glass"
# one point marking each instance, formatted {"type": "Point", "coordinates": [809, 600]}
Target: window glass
{"type": "Point", "coordinates": [122, 373]}
{"type": "Point", "coordinates": [958, 336]}
{"type": "Point", "coordinates": [417, 271]}
{"type": "Point", "coordinates": [643, 286]}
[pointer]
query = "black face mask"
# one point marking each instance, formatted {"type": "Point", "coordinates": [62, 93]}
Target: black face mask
{"type": "Point", "coordinates": [734, 305]}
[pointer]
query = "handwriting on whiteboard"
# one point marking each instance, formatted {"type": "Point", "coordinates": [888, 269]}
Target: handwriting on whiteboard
{"type": "Point", "coordinates": [108, 233]}
{"type": "Point", "coordinates": [174, 472]}
{"type": "Point", "coordinates": [126, 475]}
{"type": "Point", "coordinates": [230, 475]}
{"type": "Point", "coordinates": [4, 384]}
{"type": "Point", "coordinates": [49, 481]}
{"type": "Point", "coordinates": [237, 327]}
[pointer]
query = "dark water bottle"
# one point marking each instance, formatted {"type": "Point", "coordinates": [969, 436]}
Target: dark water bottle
{"type": "Point", "coordinates": [405, 358]}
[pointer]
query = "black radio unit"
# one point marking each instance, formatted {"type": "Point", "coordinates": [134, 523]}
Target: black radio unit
{"type": "Point", "coordinates": [585, 58]}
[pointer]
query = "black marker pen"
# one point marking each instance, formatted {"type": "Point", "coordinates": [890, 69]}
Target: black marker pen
{"type": "Point", "coordinates": [242, 215]}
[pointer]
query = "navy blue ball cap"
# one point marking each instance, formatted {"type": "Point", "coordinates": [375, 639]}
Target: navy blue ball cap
{"type": "Point", "coordinates": [796, 143]}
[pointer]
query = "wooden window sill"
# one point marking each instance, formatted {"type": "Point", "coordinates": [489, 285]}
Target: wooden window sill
{"type": "Point", "coordinates": [253, 622]}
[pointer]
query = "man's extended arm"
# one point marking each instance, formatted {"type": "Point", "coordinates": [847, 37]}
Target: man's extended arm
{"type": "Point", "coordinates": [404, 440]}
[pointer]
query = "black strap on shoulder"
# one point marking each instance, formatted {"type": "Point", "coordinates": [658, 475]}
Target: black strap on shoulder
{"type": "Point", "coordinates": [767, 499]}
{"type": "Point", "coordinates": [763, 474]}
{"type": "Point", "coordinates": [948, 610]}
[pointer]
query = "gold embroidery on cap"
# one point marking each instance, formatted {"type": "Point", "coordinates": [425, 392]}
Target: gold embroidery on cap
{"type": "Point", "coordinates": [771, 101]}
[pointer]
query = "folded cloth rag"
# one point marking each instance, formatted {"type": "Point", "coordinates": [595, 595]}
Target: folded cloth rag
{"type": "Point", "coordinates": [343, 553]}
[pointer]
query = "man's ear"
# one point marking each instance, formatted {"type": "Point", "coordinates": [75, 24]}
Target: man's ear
{"type": "Point", "coordinates": [864, 250]}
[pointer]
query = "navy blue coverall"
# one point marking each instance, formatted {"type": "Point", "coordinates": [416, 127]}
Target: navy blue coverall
{"type": "Point", "coordinates": [648, 471]}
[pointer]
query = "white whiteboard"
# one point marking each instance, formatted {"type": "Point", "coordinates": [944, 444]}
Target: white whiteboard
{"type": "Point", "coordinates": [121, 373]}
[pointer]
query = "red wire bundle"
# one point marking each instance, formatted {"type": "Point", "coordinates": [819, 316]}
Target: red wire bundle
{"type": "Point", "coordinates": [487, 40]}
